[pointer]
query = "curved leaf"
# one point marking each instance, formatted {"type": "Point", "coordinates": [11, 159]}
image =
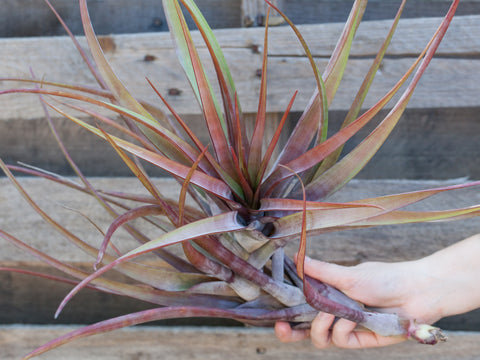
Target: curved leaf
{"type": "Point", "coordinates": [225, 80]}
{"type": "Point", "coordinates": [190, 60]}
{"type": "Point", "coordinates": [337, 176]}
{"type": "Point", "coordinates": [338, 61]}
{"type": "Point", "coordinates": [314, 120]}
{"type": "Point", "coordinates": [362, 92]}
{"type": "Point", "coordinates": [247, 315]}
{"type": "Point", "coordinates": [226, 222]}
{"type": "Point", "coordinates": [200, 179]}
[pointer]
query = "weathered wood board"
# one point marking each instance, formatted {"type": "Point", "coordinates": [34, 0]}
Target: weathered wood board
{"type": "Point", "coordinates": [441, 125]}
{"type": "Point", "coordinates": [144, 343]}
{"type": "Point", "coordinates": [381, 243]}
{"type": "Point", "coordinates": [32, 300]}
{"type": "Point", "coordinates": [436, 139]}
{"type": "Point", "coordinates": [20, 18]}
{"type": "Point", "coordinates": [456, 64]}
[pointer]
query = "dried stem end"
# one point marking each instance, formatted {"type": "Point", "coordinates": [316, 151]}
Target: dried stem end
{"type": "Point", "coordinates": [426, 334]}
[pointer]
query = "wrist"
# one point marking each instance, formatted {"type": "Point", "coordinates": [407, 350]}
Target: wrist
{"type": "Point", "coordinates": [451, 278]}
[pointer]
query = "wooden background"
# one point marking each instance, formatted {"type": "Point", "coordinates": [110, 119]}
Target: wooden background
{"type": "Point", "coordinates": [435, 142]}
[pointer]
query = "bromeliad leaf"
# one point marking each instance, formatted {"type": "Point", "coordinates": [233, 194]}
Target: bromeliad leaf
{"type": "Point", "coordinates": [363, 91]}
{"type": "Point", "coordinates": [247, 204]}
{"type": "Point", "coordinates": [226, 222]}
{"type": "Point", "coordinates": [225, 80]}
{"type": "Point", "coordinates": [195, 72]}
{"type": "Point", "coordinates": [332, 180]}
{"type": "Point", "coordinates": [209, 183]}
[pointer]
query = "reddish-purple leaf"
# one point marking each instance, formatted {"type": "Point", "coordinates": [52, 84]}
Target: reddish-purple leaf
{"type": "Point", "coordinates": [363, 91]}
{"type": "Point", "coordinates": [226, 222]}
{"type": "Point", "coordinates": [122, 219]}
{"type": "Point", "coordinates": [351, 164]}
{"type": "Point", "coordinates": [256, 143]}
{"type": "Point", "coordinates": [216, 126]}
{"type": "Point", "coordinates": [273, 143]}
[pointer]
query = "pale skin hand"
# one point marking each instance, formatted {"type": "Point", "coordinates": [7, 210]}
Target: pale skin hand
{"type": "Point", "coordinates": [442, 284]}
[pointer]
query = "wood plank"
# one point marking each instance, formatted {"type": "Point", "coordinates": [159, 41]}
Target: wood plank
{"type": "Point", "coordinates": [427, 144]}
{"type": "Point", "coordinates": [32, 17]}
{"type": "Point", "coordinates": [24, 136]}
{"type": "Point", "coordinates": [17, 218]}
{"type": "Point", "coordinates": [29, 300]}
{"type": "Point", "coordinates": [323, 11]}
{"type": "Point", "coordinates": [214, 344]}
{"type": "Point", "coordinates": [55, 59]}
{"type": "Point", "coordinates": [20, 18]}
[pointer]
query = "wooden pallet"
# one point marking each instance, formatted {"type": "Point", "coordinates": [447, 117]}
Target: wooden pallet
{"type": "Point", "coordinates": [176, 343]}
{"type": "Point", "coordinates": [439, 130]}
{"type": "Point", "coordinates": [436, 140]}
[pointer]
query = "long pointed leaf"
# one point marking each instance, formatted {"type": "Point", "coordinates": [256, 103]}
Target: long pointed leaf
{"type": "Point", "coordinates": [150, 295]}
{"type": "Point", "coordinates": [338, 61]}
{"type": "Point", "coordinates": [108, 75]}
{"type": "Point", "coordinates": [226, 222]}
{"type": "Point", "coordinates": [202, 180]}
{"type": "Point", "coordinates": [314, 120]}
{"type": "Point", "coordinates": [397, 201]}
{"type": "Point", "coordinates": [313, 156]}
{"type": "Point", "coordinates": [273, 143]}
{"type": "Point", "coordinates": [122, 219]}
{"type": "Point", "coordinates": [338, 219]}
{"type": "Point", "coordinates": [409, 217]}
{"type": "Point", "coordinates": [82, 53]}
{"type": "Point", "coordinates": [363, 91]}
{"type": "Point", "coordinates": [183, 192]}
{"type": "Point", "coordinates": [118, 90]}
{"type": "Point", "coordinates": [225, 80]}
{"type": "Point", "coordinates": [351, 164]}
{"type": "Point", "coordinates": [108, 201]}
{"type": "Point", "coordinates": [159, 278]}
{"type": "Point", "coordinates": [216, 166]}
{"type": "Point", "coordinates": [308, 124]}
{"type": "Point", "coordinates": [246, 315]}
{"type": "Point", "coordinates": [195, 72]}
{"type": "Point", "coordinates": [272, 204]}
{"type": "Point", "coordinates": [256, 143]}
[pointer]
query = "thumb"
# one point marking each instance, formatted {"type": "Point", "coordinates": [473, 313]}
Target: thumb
{"type": "Point", "coordinates": [340, 277]}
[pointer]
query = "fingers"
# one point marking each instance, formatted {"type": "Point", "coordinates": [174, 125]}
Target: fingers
{"type": "Point", "coordinates": [320, 332]}
{"type": "Point", "coordinates": [286, 334]}
{"type": "Point", "coordinates": [344, 335]}
{"type": "Point", "coordinates": [335, 275]}
{"type": "Point", "coordinates": [326, 332]}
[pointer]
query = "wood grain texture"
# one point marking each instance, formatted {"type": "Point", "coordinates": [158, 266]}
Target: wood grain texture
{"type": "Point", "coordinates": [427, 144]}
{"type": "Point", "coordinates": [382, 243]}
{"type": "Point", "coordinates": [437, 140]}
{"type": "Point", "coordinates": [445, 103]}
{"type": "Point", "coordinates": [29, 300]}
{"type": "Point", "coordinates": [457, 65]}
{"type": "Point", "coordinates": [144, 343]}
{"type": "Point", "coordinates": [20, 18]}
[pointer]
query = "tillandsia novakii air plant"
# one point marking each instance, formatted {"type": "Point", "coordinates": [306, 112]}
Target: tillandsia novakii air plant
{"type": "Point", "coordinates": [250, 203]}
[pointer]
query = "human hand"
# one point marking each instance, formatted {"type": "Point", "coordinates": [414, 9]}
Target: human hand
{"type": "Point", "coordinates": [404, 288]}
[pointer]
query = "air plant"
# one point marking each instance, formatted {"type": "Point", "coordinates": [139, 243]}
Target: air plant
{"type": "Point", "coordinates": [250, 202]}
